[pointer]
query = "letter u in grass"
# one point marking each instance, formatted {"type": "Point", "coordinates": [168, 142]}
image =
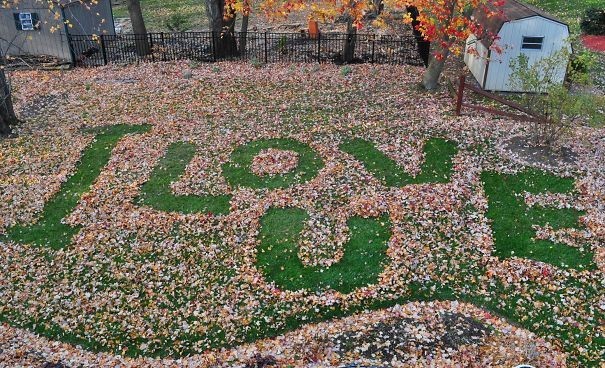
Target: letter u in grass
{"type": "Point", "coordinates": [363, 260]}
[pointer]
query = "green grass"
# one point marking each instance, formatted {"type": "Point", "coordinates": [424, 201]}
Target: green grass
{"type": "Point", "coordinates": [363, 259]}
{"type": "Point", "coordinates": [436, 168]}
{"type": "Point", "coordinates": [159, 13]}
{"type": "Point", "coordinates": [237, 170]}
{"type": "Point", "coordinates": [570, 12]}
{"type": "Point", "coordinates": [512, 220]}
{"type": "Point", "coordinates": [156, 192]}
{"type": "Point", "coordinates": [365, 253]}
{"type": "Point", "coordinates": [50, 230]}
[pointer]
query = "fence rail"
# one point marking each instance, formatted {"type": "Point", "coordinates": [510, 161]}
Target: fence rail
{"type": "Point", "coordinates": [528, 115]}
{"type": "Point", "coordinates": [260, 46]}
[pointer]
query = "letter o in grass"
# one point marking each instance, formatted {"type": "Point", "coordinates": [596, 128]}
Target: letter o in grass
{"type": "Point", "coordinates": [238, 172]}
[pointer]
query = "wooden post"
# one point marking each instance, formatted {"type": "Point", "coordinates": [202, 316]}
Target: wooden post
{"type": "Point", "coordinates": [460, 94]}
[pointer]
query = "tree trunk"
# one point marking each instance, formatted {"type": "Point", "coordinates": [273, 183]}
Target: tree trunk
{"type": "Point", "coordinates": [222, 25]}
{"type": "Point", "coordinates": [377, 7]}
{"type": "Point", "coordinates": [430, 79]}
{"type": "Point", "coordinates": [349, 48]}
{"type": "Point", "coordinates": [7, 114]}
{"type": "Point", "coordinates": [423, 46]}
{"type": "Point", "coordinates": [138, 27]}
{"type": "Point", "coordinates": [243, 34]}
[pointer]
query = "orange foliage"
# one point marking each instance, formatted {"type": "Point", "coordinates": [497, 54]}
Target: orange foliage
{"type": "Point", "coordinates": [446, 22]}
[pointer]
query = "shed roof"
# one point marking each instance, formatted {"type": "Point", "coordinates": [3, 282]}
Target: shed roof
{"type": "Point", "coordinates": [511, 10]}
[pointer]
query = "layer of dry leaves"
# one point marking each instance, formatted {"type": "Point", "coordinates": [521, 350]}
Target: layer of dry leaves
{"type": "Point", "coordinates": [128, 272]}
{"type": "Point", "coordinates": [313, 344]}
{"type": "Point", "coordinates": [274, 161]}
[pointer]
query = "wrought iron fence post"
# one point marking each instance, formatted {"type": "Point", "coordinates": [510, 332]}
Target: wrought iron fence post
{"type": "Point", "coordinates": [103, 51]}
{"type": "Point", "coordinates": [373, 46]}
{"type": "Point", "coordinates": [319, 47]}
{"type": "Point", "coordinates": [213, 45]}
{"type": "Point", "coordinates": [151, 46]}
{"type": "Point", "coordinates": [163, 46]}
{"type": "Point", "coordinates": [266, 49]}
{"type": "Point", "coordinates": [72, 54]}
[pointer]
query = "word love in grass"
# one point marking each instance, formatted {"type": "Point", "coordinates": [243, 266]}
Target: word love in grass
{"type": "Point", "coordinates": [511, 218]}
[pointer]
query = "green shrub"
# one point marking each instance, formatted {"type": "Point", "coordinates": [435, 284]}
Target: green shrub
{"type": "Point", "coordinates": [345, 70]}
{"type": "Point", "coordinates": [178, 22]}
{"type": "Point", "coordinates": [593, 22]}
{"type": "Point", "coordinates": [546, 95]}
{"type": "Point", "coordinates": [582, 63]}
{"type": "Point", "coordinates": [256, 63]}
{"type": "Point", "coordinates": [282, 45]}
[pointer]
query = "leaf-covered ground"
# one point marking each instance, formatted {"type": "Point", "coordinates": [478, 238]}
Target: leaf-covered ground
{"type": "Point", "coordinates": [292, 214]}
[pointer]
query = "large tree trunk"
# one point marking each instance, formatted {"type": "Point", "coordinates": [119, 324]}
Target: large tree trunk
{"type": "Point", "coordinates": [7, 114]}
{"type": "Point", "coordinates": [138, 27]}
{"type": "Point", "coordinates": [430, 79]}
{"type": "Point", "coordinates": [423, 46]}
{"type": "Point", "coordinates": [243, 33]}
{"type": "Point", "coordinates": [377, 8]}
{"type": "Point", "coordinates": [349, 48]}
{"type": "Point", "coordinates": [222, 25]}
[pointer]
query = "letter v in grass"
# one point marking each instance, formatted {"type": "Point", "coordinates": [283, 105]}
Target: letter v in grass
{"type": "Point", "coordinates": [437, 165]}
{"type": "Point", "coordinates": [363, 259]}
{"type": "Point", "coordinates": [49, 230]}
{"type": "Point", "coordinates": [156, 192]}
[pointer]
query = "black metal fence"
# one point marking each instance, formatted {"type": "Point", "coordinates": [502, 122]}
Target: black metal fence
{"type": "Point", "coordinates": [255, 46]}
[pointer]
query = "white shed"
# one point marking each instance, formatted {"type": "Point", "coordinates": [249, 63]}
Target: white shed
{"type": "Point", "coordinates": [523, 29]}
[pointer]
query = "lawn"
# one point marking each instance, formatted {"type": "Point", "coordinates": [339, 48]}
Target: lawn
{"type": "Point", "coordinates": [568, 11]}
{"type": "Point", "coordinates": [159, 15]}
{"type": "Point", "coordinates": [291, 214]}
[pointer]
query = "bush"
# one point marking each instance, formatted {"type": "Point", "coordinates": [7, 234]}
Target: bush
{"type": "Point", "coordinates": [177, 23]}
{"type": "Point", "coordinates": [345, 70]}
{"type": "Point", "coordinates": [256, 63]}
{"type": "Point", "coordinates": [593, 22]}
{"type": "Point", "coordinates": [562, 108]}
{"type": "Point", "coordinates": [282, 45]}
{"type": "Point", "coordinates": [582, 63]}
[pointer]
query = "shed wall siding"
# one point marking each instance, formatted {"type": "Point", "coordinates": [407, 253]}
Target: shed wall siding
{"type": "Point", "coordinates": [90, 18]}
{"type": "Point", "coordinates": [511, 37]}
{"type": "Point", "coordinates": [37, 42]}
{"type": "Point", "coordinates": [86, 19]}
{"type": "Point", "coordinates": [477, 64]}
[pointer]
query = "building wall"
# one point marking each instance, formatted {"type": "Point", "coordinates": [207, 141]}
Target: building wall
{"type": "Point", "coordinates": [90, 18]}
{"type": "Point", "coordinates": [511, 38]}
{"type": "Point", "coordinates": [37, 42]}
{"type": "Point", "coordinates": [476, 61]}
{"type": "Point", "coordinates": [51, 38]}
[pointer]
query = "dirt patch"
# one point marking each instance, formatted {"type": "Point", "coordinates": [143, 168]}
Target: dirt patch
{"type": "Point", "coordinates": [399, 338]}
{"type": "Point", "coordinates": [527, 152]}
{"type": "Point", "coordinates": [39, 104]}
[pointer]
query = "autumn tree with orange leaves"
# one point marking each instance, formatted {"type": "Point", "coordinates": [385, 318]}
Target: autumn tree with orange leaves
{"type": "Point", "coordinates": [445, 23]}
